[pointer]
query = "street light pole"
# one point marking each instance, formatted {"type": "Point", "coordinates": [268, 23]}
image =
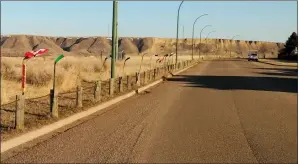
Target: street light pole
{"type": "Point", "coordinates": [193, 32]}
{"type": "Point", "coordinates": [114, 38]}
{"type": "Point", "coordinates": [230, 54]}
{"type": "Point", "coordinates": [200, 37]}
{"type": "Point", "coordinates": [177, 33]}
{"type": "Point", "coordinates": [208, 36]}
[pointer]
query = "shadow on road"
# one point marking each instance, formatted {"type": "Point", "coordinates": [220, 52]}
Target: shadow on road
{"type": "Point", "coordinates": [275, 84]}
{"type": "Point", "coordinates": [278, 71]}
{"type": "Point", "coordinates": [276, 64]}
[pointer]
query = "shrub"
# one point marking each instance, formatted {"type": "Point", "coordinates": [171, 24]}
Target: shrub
{"type": "Point", "coordinates": [8, 70]}
{"type": "Point", "coordinates": [38, 77]}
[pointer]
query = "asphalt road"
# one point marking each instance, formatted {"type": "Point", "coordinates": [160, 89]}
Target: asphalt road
{"type": "Point", "coordinates": [226, 111]}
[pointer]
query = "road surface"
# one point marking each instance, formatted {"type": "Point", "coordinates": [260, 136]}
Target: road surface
{"type": "Point", "coordinates": [223, 111]}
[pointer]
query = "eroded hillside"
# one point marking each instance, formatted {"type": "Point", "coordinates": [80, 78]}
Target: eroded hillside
{"type": "Point", "coordinates": [16, 45]}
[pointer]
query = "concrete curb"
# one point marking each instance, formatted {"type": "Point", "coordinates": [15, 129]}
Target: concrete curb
{"type": "Point", "coordinates": [159, 81]}
{"type": "Point", "coordinates": [148, 86]}
{"type": "Point", "coordinates": [186, 68]}
{"type": "Point", "coordinates": [17, 141]}
{"type": "Point", "coordinates": [49, 128]}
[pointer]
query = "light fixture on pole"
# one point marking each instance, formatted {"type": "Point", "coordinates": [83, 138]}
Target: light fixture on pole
{"type": "Point", "coordinates": [177, 33]}
{"type": "Point", "coordinates": [193, 32]}
{"type": "Point", "coordinates": [230, 54]}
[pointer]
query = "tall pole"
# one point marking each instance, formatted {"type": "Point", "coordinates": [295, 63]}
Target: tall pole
{"type": "Point", "coordinates": [208, 36]}
{"type": "Point", "coordinates": [177, 34]}
{"type": "Point", "coordinates": [114, 38]}
{"type": "Point", "coordinates": [193, 32]}
{"type": "Point", "coordinates": [116, 34]}
{"type": "Point", "coordinates": [200, 36]}
{"type": "Point", "coordinates": [23, 75]}
{"type": "Point", "coordinates": [230, 53]}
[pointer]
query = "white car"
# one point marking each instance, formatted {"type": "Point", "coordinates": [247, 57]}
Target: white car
{"type": "Point", "coordinates": [253, 57]}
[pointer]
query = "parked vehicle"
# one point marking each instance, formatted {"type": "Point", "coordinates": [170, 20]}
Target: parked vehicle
{"type": "Point", "coordinates": [253, 56]}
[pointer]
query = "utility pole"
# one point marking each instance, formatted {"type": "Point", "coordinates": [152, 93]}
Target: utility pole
{"type": "Point", "coordinates": [114, 38]}
{"type": "Point", "coordinates": [116, 34]}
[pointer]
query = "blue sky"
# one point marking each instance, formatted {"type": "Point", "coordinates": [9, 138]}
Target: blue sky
{"type": "Point", "coordinates": [252, 20]}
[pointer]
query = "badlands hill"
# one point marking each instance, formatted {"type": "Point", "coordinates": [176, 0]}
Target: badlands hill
{"type": "Point", "coordinates": [16, 45]}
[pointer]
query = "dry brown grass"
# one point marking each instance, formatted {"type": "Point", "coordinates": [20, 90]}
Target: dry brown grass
{"type": "Point", "coordinates": [69, 70]}
{"type": "Point", "coordinates": [9, 69]}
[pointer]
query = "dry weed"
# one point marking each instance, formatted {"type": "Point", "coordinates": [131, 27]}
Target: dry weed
{"type": "Point", "coordinates": [7, 70]}
{"type": "Point", "coordinates": [69, 73]}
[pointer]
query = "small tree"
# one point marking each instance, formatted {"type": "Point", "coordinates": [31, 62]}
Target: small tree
{"type": "Point", "coordinates": [289, 46]}
{"type": "Point", "coordinates": [291, 43]}
{"type": "Point", "coordinates": [264, 49]}
{"type": "Point", "coordinates": [239, 48]}
{"type": "Point", "coordinates": [201, 47]}
{"type": "Point", "coordinates": [207, 48]}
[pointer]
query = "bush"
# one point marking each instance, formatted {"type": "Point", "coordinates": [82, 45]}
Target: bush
{"type": "Point", "coordinates": [264, 49]}
{"type": "Point", "coordinates": [38, 77]}
{"type": "Point", "coordinates": [8, 71]}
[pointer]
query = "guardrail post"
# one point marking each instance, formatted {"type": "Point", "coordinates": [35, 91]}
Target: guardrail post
{"type": "Point", "coordinates": [165, 70]}
{"type": "Point", "coordinates": [20, 108]}
{"type": "Point", "coordinates": [54, 103]}
{"type": "Point", "coordinates": [145, 77]}
{"type": "Point", "coordinates": [111, 86]}
{"type": "Point", "coordinates": [97, 91]}
{"type": "Point", "coordinates": [149, 75]}
{"type": "Point", "coordinates": [137, 79]}
{"type": "Point", "coordinates": [120, 83]}
{"type": "Point", "coordinates": [129, 82]}
{"type": "Point", "coordinates": [79, 97]}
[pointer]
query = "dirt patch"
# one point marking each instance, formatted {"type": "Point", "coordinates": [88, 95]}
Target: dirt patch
{"type": "Point", "coordinates": [127, 45]}
{"type": "Point", "coordinates": [101, 45]}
